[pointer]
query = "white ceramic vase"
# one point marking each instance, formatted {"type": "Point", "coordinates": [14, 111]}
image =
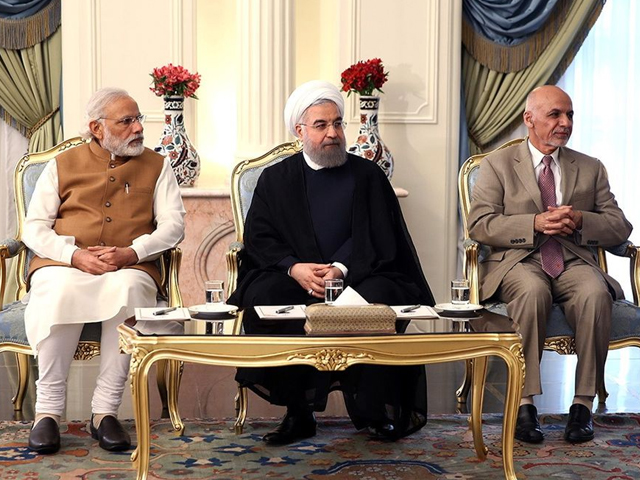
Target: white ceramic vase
{"type": "Point", "coordinates": [369, 144]}
{"type": "Point", "coordinates": [174, 143]}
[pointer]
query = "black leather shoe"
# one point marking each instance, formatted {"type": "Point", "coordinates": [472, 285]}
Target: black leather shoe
{"type": "Point", "coordinates": [384, 431]}
{"type": "Point", "coordinates": [110, 434]}
{"type": "Point", "coordinates": [291, 429]}
{"type": "Point", "coordinates": [45, 436]}
{"type": "Point", "coordinates": [527, 426]}
{"type": "Point", "coordinates": [580, 424]}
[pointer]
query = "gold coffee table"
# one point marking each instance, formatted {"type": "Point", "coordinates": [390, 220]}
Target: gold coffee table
{"type": "Point", "coordinates": [451, 340]}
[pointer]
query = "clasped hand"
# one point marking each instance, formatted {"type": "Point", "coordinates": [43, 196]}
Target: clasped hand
{"type": "Point", "coordinates": [563, 220]}
{"type": "Point", "coordinates": [311, 276]}
{"type": "Point", "coordinates": [99, 260]}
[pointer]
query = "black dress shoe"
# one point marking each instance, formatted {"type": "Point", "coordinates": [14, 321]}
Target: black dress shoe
{"type": "Point", "coordinates": [384, 431]}
{"type": "Point", "coordinates": [110, 434]}
{"type": "Point", "coordinates": [580, 424]}
{"type": "Point", "coordinates": [45, 436]}
{"type": "Point", "coordinates": [291, 429]}
{"type": "Point", "coordinates": [527, 426]}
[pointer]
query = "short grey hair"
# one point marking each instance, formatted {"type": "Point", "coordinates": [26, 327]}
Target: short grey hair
{"type": "Point", "coordinates": [96, 107]}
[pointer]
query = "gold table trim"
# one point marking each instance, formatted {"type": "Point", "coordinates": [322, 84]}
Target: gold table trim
{"type": "Point", "coordinates": [329, 354]}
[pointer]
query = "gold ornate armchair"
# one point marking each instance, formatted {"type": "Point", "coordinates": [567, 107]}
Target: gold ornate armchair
{"type": "Point", "coordinates": [244, 178]}
{"type": "Point", "coordinates": [12, 330]}
{"type": "Point", "coordinates": [625, 330]}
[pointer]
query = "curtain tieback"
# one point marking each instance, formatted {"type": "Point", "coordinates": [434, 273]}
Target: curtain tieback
{"type": "Point", "coordinates": [41, 122]}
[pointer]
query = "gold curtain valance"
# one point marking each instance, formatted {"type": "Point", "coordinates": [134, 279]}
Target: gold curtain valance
{"type": "Point", "coordinates": [29, 31]}
{"type": "Point", "coordinates": [513, 58]}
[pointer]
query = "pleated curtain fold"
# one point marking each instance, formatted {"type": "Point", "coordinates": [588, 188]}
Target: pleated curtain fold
{"type": "Point", "coordinates": [509, 48]}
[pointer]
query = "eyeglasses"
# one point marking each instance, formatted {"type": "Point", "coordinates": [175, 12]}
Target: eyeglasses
{"type": "Point", "coordinates": [323, 126]}
{"type": "Point", "coordinates": [127, 121]}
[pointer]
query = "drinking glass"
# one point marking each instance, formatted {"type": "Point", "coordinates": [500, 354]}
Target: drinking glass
{"type": "Point", "coordinates": [332, 290]}
{"type": "Point", "coordinates": [214, 291]}
{"type": "Point", "coordinates": [460, 291]}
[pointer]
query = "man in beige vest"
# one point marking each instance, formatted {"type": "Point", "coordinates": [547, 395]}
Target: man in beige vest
{"type": "Point", "coordinates": [542, 207]}
{"type": "Point", "coordinates": [101, 213]}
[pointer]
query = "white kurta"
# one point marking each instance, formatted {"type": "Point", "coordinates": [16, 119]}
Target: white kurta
{"type": "Point", "coordinates": [61, 295]}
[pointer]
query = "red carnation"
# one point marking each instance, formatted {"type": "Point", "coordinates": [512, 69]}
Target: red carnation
{"type": "Point", "coordinates": [364, 77]}
{"type": "Point", "coordinates": [174, 80]}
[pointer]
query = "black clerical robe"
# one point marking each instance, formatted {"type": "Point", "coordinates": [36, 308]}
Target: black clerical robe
{"type": "Point", "coordinates": [383, 268]}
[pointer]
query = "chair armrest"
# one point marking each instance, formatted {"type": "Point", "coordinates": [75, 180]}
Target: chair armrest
{"type": "Point", "coordinates": [470, 268]}
{"type": "Point", "coordinates": [233, 264]}
{"type": "Point", "coordinates": [626, 249]}
{"type": "Point", "coordinates": [9, 248]}
{"type": "Point", "coordinates": [171, 259]}
{"type": "Point", "coordinates": [630, 251]}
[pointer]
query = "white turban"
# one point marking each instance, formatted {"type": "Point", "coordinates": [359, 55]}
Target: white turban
{"type": "Point", "coordinates": [306, 95]}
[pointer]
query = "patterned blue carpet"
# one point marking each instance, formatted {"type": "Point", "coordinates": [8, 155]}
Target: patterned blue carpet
{"type": "Point", "coordinates": [443, 450]}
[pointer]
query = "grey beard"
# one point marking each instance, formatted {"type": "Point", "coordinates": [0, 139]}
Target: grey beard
{"type": "Point", "coordinates": [122, 149]}
{"type": "Point", "coordinates": [331, 159]}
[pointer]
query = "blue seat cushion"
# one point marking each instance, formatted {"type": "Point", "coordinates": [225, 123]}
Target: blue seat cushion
{"type": "Point", "coordinates": [12, 323]}
{"type": "Point", "coordinates": [12, 326]}
{"type": "Point", "coordinates": [625, 320]}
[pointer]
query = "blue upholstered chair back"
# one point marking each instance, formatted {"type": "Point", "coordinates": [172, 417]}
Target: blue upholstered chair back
{"type": "Point", "coordinates": [28, 171]}
{"type": "Point", "coordinates": [244, 179]}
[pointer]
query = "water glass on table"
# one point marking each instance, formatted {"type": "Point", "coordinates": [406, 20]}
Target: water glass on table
{"type": "Point", "coordinates": [332, 290]}
{"type": "Point", "coordinates": [460, 291]}
{"type": "Point", "coordinates": [214, 294]}
{"type": "Point", "coordinates": [214, 291]}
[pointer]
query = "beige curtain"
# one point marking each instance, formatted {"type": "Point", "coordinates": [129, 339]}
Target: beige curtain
{"type": "Point", "coordinates": [30, 91]}
{"type": "Point", "coordinates": [494, 101]}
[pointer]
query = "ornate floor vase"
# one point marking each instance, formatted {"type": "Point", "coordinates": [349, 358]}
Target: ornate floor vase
{"type": "Point", "coordinates": [175, 145]}
{"type": "Point", "coordinates": [369, 144]}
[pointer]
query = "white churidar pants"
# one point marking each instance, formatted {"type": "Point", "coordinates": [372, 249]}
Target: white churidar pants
{"type": "Point", "coordinates": [61, 301]}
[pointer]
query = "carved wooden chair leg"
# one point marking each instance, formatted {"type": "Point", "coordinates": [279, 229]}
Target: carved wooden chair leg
{"type": "Point", "coordinates": [242, 403]}
{"type": "Point", "coordinates": [174, 377]}
{"type": "Point", "coordinates": [22, 362]}
{"type": "Point", "coordinates": [463, 392]}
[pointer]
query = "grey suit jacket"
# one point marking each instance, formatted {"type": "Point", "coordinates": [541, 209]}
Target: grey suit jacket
{"type": "Point", "coordinates": [506, 198]}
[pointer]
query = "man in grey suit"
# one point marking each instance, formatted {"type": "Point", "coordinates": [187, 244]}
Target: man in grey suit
{"type": "Point", "coordinates": [541, 207]}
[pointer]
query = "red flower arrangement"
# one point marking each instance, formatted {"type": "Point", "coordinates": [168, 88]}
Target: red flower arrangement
{"type": "Point", "coordinates": [174, 80]}
{"type": "Point", "coordinates": [364, 77]}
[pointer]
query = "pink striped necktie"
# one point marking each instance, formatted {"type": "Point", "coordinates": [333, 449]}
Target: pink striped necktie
{"type": "Point", "coordinates": [551, 251]}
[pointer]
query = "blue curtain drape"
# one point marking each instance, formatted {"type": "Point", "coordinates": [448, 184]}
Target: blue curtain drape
{"type": "Point", "coordinates": [17, 9]}
{"type": "Point", "coordinates": [507, 22]}
{"type": "Point", "coordinates": [25, 23]}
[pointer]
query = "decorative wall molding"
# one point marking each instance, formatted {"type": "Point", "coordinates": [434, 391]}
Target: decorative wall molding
{"type": "Point", "coordinates": [411, 94]}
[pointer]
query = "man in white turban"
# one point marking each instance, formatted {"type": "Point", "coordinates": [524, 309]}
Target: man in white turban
{"type": "Point", "coordinates": [306, 95]}
{"type": "Point", "coordinates": [318, 215]}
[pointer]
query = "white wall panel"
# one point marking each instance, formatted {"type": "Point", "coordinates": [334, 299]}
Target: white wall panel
{"type": "Point", "coordinates": [117, 44]}
{"type": "Point", "coordinates": [405, 35]}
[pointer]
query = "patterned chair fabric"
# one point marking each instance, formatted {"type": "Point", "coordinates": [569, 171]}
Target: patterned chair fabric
{"type": "Point", "coordinates": [560, 336]}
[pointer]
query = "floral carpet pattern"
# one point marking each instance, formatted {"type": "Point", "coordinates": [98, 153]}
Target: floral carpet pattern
{"type": "Point", "coordinates": [443, 450]}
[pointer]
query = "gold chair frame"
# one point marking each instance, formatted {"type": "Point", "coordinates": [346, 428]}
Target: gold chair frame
{"type": "Point", "coordinates": [564, 345]}
{"type": "Point", "coordinates": [233, 259]}
{"type": "Point", "coordinates": [168, 372]}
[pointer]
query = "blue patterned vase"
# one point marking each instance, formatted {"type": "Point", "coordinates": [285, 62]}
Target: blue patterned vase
{"type": "Point", "coordinates": [174, 144]}
{"type": "Point", "coordinates": [369, 144]}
